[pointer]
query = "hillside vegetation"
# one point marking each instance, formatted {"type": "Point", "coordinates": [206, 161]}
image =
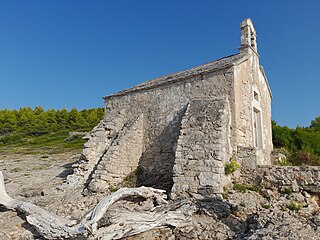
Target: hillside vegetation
{"type": "Point", "coordinates": [35, 130]}
{"type": "Point", "coordinates": [301, 145]}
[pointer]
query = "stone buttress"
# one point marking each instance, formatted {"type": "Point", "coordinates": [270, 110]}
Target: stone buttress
{"type": "Point", "coordinates": [203, 148]}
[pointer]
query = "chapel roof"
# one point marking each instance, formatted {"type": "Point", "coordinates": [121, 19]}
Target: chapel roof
{"type": "Point", "coordinates": [213, 66]}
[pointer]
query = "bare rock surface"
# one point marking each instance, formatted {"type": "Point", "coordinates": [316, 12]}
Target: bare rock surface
{"type": "Point", "coordinates": [40, 179]}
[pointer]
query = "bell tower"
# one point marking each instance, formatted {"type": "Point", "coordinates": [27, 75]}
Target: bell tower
{"type": "Point", "coordinates": [248, 36]}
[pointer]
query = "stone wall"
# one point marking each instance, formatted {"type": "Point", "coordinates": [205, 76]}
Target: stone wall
{"type": "Point", "coordinates": [157, 160]}
{"type": "Point", "coordinates": [98, 142]}
{"type": "Point", "coordinates": [250, 158]}
{"type": "Point", "coordinates": [305, 178]}
{"type": "Point", "coordinates": [163, 109]}
{"type": "Point", "coordinates": [203, 148]}
{"type": "Point", "coordinates": [250, 78]}
{"type": "Point", "coordinates": [122, 157]}
{"type": "Point", "coordinates": [252, 96]}
{"type": "Point", "coordinates": [162, 104]}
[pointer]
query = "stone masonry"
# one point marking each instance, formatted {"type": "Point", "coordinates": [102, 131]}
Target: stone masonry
{"type": "Point", "coordinates": [203, 148]}
{"type": "Point", "coordinates": [179, 130]}
{"type": "Point", "coordinates": [295, 178]}
{"type": "Point", "coordinates": [122, 156]}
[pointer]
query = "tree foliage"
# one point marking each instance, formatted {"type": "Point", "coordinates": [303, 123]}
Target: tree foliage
{"type": "Point", "coordinates": [303, 143]}
{"type": "Point", "coordinates": [315, 124]}
{"type": "Point", "coordinates": [19, 125]}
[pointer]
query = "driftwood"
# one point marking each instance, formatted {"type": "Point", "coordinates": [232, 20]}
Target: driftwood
{"type": "Point", "coordinates": [123, 224]}
{"type": "Point", "coordinates": [138, 222]}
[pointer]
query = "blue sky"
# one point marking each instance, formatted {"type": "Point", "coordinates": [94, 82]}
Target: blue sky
{"type": "Point", "coordinates": [71, 53]}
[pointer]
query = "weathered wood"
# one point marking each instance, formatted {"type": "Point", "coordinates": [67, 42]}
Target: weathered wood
{"type": "Point", "coordinates": [5, 199]}
{"type": "Point", "coordinates": [123, 223]}
{"type": "Point", "coordinates": [97, 213]}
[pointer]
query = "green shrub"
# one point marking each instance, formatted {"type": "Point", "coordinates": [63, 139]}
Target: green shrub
{"type": "Point", "coordinates": [254, 188]}
{"type": "Point", "coordinates": [231, 167]}
{"type": "Point", "coordinates": [244, 188]}
{"type": "Point", "coordinates": [225, 188]}
{"type": "Point", "coordinates": [294, 205]}
{"type": "Point", "coordinates": [284, 161]}
{"type": "Point", "coordinates": [302, 143]}
{"type": "Point", "coordinates": [304, 158]}
{"type": "Point", "coordinates": [28, 127]}
{"type": "Point", "coordinates": [114, 188]}
{"type": "Point", "coordinates": [281, 150]}
{"type": "Point", "coordinates": [225, 195]}
{"type": "Point", "coordinates": [131, 179]}
{"type": "Point", "coordinates": [240, 187]}
{"type": "Point", "coordinates": [287, 191]}
{"type": "Point", "coordinates": [265, 206]}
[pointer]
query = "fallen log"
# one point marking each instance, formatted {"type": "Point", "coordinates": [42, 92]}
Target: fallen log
{"type": "Point", "coordinates": [122, 224]}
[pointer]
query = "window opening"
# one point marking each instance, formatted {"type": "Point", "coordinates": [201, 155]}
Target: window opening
{"type": "Point", "coordinates": [256, 96]}
{"type": "Point", "coordinates": [257, 128]}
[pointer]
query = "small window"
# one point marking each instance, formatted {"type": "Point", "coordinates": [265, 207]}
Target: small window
{"type": "Point", "coordinates": [256, 96]}
{"type": "Point", "coordinates": [252, 42]}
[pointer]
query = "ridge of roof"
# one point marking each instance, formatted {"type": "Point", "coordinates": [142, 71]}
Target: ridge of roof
{"type": "Point", "coordinates": [213, 66]}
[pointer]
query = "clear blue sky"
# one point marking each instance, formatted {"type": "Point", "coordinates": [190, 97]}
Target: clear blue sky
{"type": "Point", "coordinates": [71, 53]}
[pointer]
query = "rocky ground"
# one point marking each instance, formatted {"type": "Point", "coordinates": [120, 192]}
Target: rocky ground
{"type": "Point", "coordinates": [239, 213]}
{"type": "Point", "coordinates": [39, 179]}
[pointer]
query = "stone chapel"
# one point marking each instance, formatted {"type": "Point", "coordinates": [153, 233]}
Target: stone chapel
{"type": "Point", "coordinates": [178, 131]}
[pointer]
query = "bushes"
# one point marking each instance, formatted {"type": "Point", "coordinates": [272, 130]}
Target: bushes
{"type": "Point", "coordinates": [244, 188]}
{"type": "Point", "coordinates": [18, 126]}
{"type": "Point", "coordinates": [282, 136]}
{"type": "Point", "coordinates": [231, 167]}
{"type": "Point", "coordinates": [304, 158]}
{"type": "Point", "coordinates": [306, 139]}
{"type": "Point", "coordinates": [302, 144]}
{"type": "Point", "coordinates": [299, 158]}
{"type": "Point", "coordinates": [265, 206]}
{"type": "Point", "coordinates": [294, 206]}
{"type": "Point", "coordinates": [35, 130]}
